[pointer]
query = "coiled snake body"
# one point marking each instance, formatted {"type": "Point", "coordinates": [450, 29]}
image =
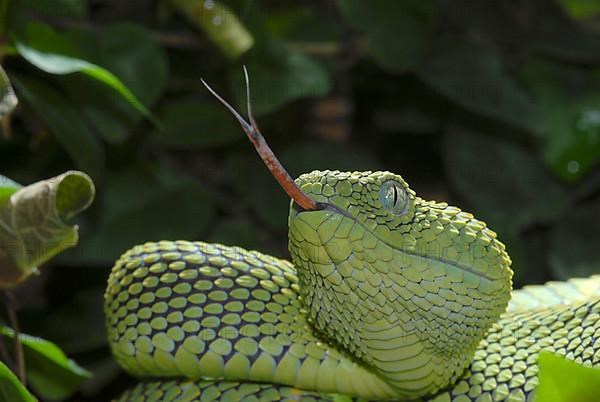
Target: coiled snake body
{"type": "Point", "coordinates": [389, 297]}
{"type": "Point", "coordinates": [384, 302]}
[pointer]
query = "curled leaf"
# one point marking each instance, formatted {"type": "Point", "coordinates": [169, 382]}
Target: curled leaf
{"type": "Point", "coordinates": [33, 226]}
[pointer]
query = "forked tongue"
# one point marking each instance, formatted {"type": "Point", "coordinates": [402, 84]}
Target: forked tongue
{"type": "Point", "coordinates": [265, 152]}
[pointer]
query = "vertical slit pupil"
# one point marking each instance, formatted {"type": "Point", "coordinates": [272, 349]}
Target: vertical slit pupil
{"type": "Point", "coordinates": [395, 195]}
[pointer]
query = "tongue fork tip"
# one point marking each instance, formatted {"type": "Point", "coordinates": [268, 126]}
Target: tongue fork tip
{"type": "Point", "coordinates": [260, 144]}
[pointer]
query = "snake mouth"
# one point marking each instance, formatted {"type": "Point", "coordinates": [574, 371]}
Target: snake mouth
{"type": "Point", "coordinates": [298, 209]}
{"type": "Point", "coordinates": [321, 206]}
{"type": "Point", "coordinates": [325, 206]}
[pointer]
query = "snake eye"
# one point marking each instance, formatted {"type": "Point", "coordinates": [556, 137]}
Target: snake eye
{"type": "Point", "coordinates": [393, 197]}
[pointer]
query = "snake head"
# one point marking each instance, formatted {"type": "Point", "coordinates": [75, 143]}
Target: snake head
{"type": "Point", "coordinates": [407, 286]}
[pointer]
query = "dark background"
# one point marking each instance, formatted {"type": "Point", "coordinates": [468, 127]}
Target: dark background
{"type": "Point", "coordinates": [493, 106]}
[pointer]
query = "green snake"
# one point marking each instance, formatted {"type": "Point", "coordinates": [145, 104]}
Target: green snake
{"type": "Point", "coordinates": [388, 297]}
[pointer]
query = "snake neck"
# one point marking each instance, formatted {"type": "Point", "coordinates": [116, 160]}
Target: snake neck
{"type": "Point", "coordinates": [413, 304]}
{"type": "Point", "coordinates": [414, 338]}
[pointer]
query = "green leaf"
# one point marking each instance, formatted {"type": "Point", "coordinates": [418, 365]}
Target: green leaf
{"type": "Point", "coordinates": [49, 371]}
{"type": "Point", "coordinates": [65, 122]}
{"type": "Point", "coordinates": [581, 9]}
{"type": "Point", "coordinates": [33, 226]}
{"type": "Point", "coordinates": [196, 123]}
{"type": "Point", "coordinates": [279, 76]}
{"type": "Point", "coordinates": [146, 203]}
{"type": "Point", "coordinates": [474, 76]}
{"type": "Point", "coordinates": [398, 34]}
{"type": "Point", "coordinates": [131, 53]}
{"type": "Point", "coordinates": [563, 380]}
{"type": "Point", "coordinates": [49, 50]}
{"type": "Point", "coordinates": [55, 54]}
{"type": "Point", "coordinates": [8, 99]}
{"type": "Point", "coordinates": [568, 99]}
{"type": "Point", "coordinates": [7, 188]}
{"type": "Point", "coordinates": [573, 243]}
{"type": "Point", "coordinates": [11, 388]}
{"type": "Point", "coordinates": [221, 25]}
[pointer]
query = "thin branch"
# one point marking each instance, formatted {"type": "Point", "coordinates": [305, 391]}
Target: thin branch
{"type": "Point", "coordinates": [14, 323]}
{"type": "Point", "coordinates": [6, 127]}
{"type": "Point", "coordinates": [6, 358]}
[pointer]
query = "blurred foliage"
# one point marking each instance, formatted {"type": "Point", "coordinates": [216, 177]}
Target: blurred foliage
{"type": "Point", "coordinates": [493, 106]}
{"type": "Point", "coordinates": [50, 373]}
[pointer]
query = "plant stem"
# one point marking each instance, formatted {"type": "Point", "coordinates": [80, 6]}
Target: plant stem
{"type": "Point", "coordinates": [14, 323]}
{"type": "Point", "coordinates": [5, 126]}
{"type": "Point", "coordinates": [4, 355]}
